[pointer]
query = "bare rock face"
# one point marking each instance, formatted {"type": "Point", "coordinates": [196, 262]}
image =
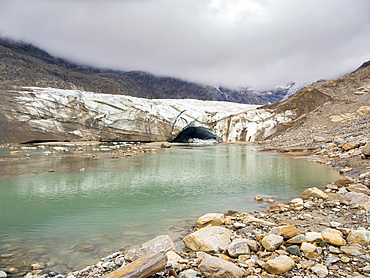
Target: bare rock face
{"type": "Point", "coordinates": [219, 268]}
{"type": "Point", "coordinates": [209, 239]}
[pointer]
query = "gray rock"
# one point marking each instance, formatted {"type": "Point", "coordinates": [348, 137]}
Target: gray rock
{"type": "Point", "coordinates": [120, 260]}
{"type": "Point", "coordinates": [353, 250]}
{"type": "Point", "coordinates": [209, 239]}
{"type": "Point", "coordinates": [213, 219]}
{"type": "Point", "coordinates": [272, 242]}
{"type": "Point", "coordinates": [294, 250]}
{"type": "Point", "coordinates": [238, 247]}
{"type": "Point", "coordinates": [332, 260]}
{"type": "Point", "coordinates": [253, 245]}
{"type": "Point", "coordinates": [219, 268]}
{"type": "Point", "coordinates": [162, 243]}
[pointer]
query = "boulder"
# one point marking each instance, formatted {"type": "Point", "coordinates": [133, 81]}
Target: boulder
{"type": "Point", "coordinates": [165, 145]}
{"type": "Point", "coordinates": [314, 192]}
{"type": "Point", "coordinates": [333, 237]}
{"type": "Point", "coordinates": [213, 219]}
{"type": "Point", "coordinates": [272, 242]}
{"type": "Point", "coordinates": [209, 239]}
{"type": "Point", "coordinates": [219, 268]}
{"type": "Point", "coordinates": [350, 145]}
{"type": "Point", "coordinates": [279, 265]}
{"type": "Point", "coordinates": [359, 236]}
{"type": "Point", "coordinates": [238, 246]}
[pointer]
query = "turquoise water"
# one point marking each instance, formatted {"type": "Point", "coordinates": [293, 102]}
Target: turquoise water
{"type": "Point", "coordinates": [73, 218]}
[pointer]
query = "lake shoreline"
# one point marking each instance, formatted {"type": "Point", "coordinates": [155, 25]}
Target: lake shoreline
{"type": "Point", "coordinates": [294, 214]}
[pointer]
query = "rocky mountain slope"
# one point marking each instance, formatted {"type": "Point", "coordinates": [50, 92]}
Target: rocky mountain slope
{"type": "Point", "coordinates": [23, 64]}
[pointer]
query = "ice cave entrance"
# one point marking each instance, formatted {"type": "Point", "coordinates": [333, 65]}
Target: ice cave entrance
{"type": "Point", "coordinates": [192, 133]}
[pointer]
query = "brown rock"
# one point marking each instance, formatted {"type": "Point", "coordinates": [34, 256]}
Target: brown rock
{"type": "Point", "coordinates": [357, 200]}
{"type": "Point", "coordinates": [258, 198]}
{"type": "Point", "coordinates": [359, 188]}
{"type": "Point", "coordinates": [350, 145]}
{"type": "Point", "coordinates": [308, 247]}
{"type": "Point", "coordinates": [165, 145]}
{"type": "Point", "coordinates": [284, 231]}
{"type": "Point", "coordinates": [333, 237]}
{"type": "Point", "coordinates": [313, 256]}
{"type": "Point", "coordinates": [279, 265]}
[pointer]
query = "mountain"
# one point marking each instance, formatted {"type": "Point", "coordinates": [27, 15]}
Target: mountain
{"type": "Point", "coordinates": [23, 64]}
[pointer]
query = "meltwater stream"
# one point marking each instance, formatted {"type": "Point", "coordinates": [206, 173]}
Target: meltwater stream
{"type": "Point", "coordinates": [73, 218]}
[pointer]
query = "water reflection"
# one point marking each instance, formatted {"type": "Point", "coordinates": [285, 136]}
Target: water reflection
{"type": "Point", "coordinates": [123, 202]}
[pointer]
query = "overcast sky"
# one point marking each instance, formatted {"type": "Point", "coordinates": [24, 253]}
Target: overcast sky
{"type": "Point", "coordinates": [249, 43]}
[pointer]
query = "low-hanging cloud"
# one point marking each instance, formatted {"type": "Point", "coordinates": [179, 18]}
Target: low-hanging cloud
{"type": "Point", "coordinates": [235, 43]}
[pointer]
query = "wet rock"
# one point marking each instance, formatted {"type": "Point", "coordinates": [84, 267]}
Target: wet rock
{"type": "Point", "coordinates": [214, 219]}
{"type": "Point", "coordinates": [320, 270]}
{"type": "Point", "coordinates": [333, 237]}
{"type": "Point", "coordinates": [189, 273]}
{"type": "Point", "coordinates": [209, 239]}
{"type": "Point", "coordinates": [314, 192]}
{"type": "Point", "coordinates": [279, 265]}
{"type": "Point", "coordinates": [350, 145]}
{"type": "Point", "coordinates": [272, 242]}
{"type": "Point", "coordinates": [219, 268]}
{"type": "Point", "coordinates": [353, 250]}
{"type": "Point", "coordinates": [165, 145]}
{"type": "Point", "coordinates": [359, 236]}
{"type": "Point", "coordinates": [258, 198]}
{"type": "Point", "coordinates": [238, 247]}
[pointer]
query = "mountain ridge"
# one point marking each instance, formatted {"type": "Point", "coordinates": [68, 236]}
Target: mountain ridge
{"type": "Point", "coordinates": [23, 64]}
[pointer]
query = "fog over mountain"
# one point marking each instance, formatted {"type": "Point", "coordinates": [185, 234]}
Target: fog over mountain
{"type": "Point", "coordinates": [234, 43]}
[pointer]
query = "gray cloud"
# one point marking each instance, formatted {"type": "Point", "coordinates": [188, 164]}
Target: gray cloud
{"type": "Point", "coordinates": [225, 42]}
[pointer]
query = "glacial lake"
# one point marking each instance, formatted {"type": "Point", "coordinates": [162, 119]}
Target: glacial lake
{"type": "Point", "coordinates": [71, 218]}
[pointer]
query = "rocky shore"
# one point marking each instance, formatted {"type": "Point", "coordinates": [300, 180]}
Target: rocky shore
{"type": "Point", "coordinates": [323, 233]}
